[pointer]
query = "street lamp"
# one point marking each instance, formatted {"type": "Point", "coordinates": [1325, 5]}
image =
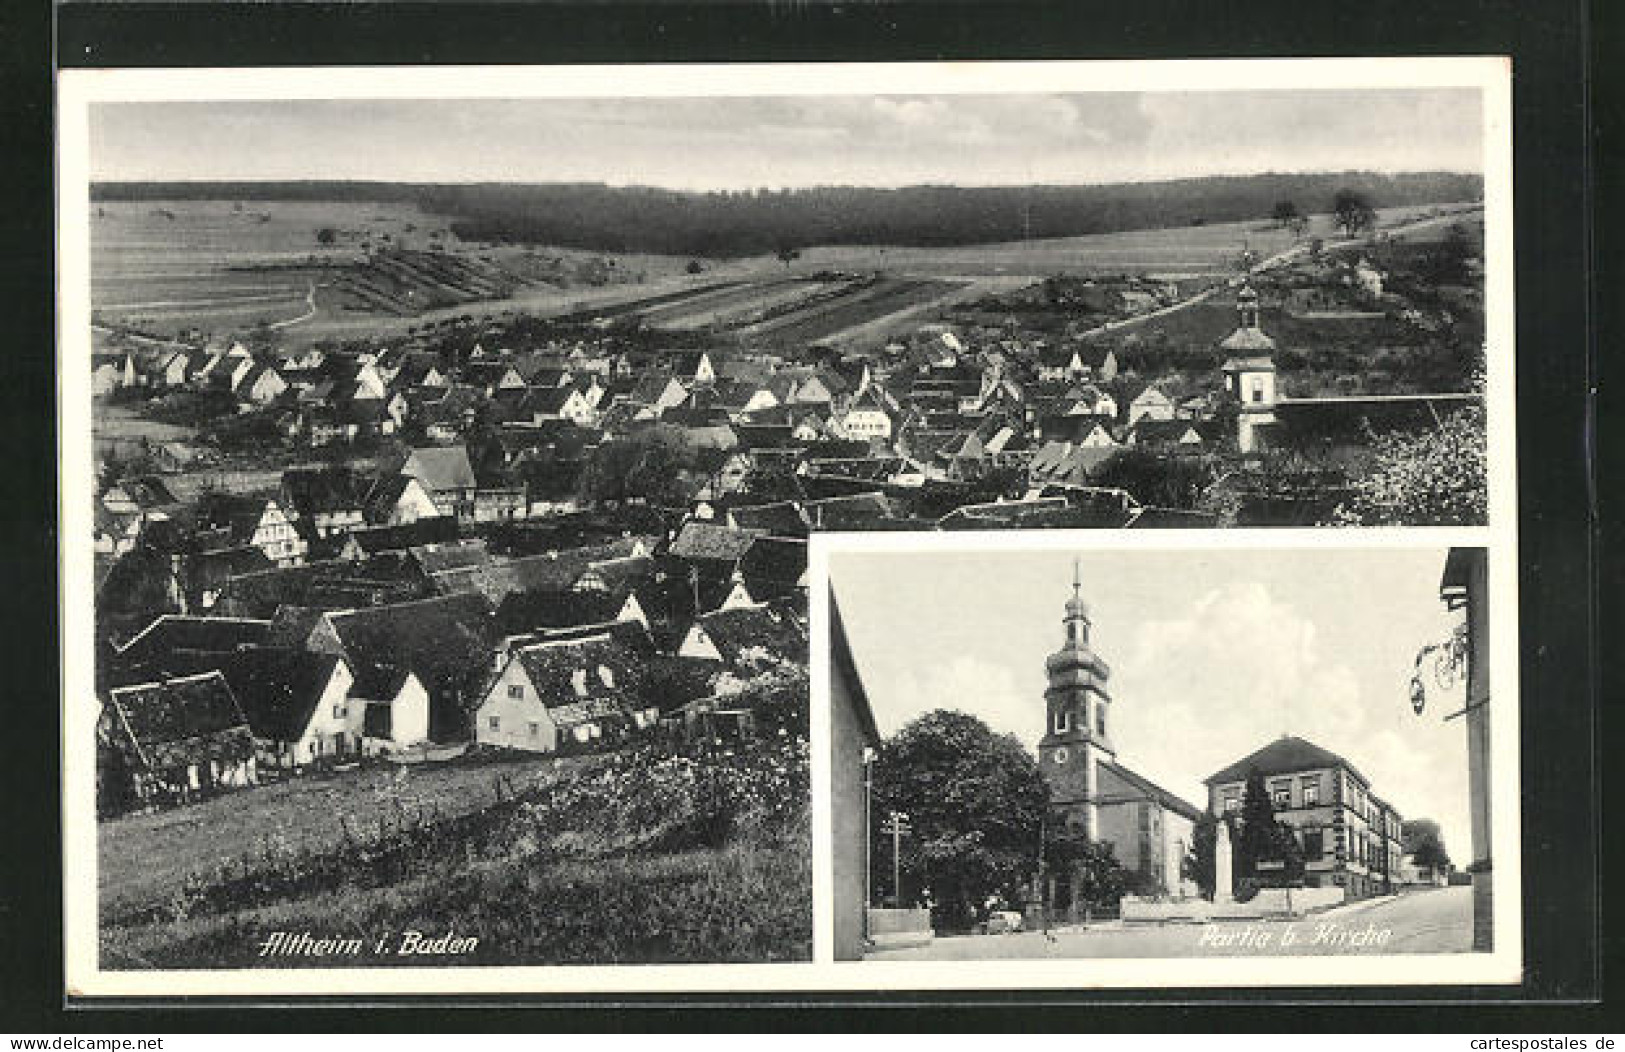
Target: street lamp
{"type": "Point", "coordinates": [896, 827]}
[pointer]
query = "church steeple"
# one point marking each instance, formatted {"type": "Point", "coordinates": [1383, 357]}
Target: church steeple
{"type": "Point", "coordinates": [1249, 372]}
{"type": "Point", "coordinates": [1077, 611]}
{"type": "Point", "coordinates": [1076, 704]}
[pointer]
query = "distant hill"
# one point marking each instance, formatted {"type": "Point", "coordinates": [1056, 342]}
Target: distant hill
{"type": "Point", "coordinates": [605, 218]}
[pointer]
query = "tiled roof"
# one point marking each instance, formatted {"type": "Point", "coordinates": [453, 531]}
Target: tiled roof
{"type": "Point", "coordinates": [312, 491]}
{"type": "Point", "coordinates": [616, 576]}
{"type": "Point", "coordinates": [1247, 341]}
{"type": "Point", "coordinates": [582, 672]}
{"type": "Point", "coordinates": [452, 555]}
{"type": "Point", "coordinates": [444, 640]}
{"type": "Point", "coordinates": [767, 627]}
{"type": "Point", "coordinates": [705, 541]}
{"type": "Point", "coordinates": [440, 467]}
{"type": "Point", "coordinates": [430, 530]}
{"type": "Point", "coordinates": [385, 494]}
{"type": "Point", "coordinates": [1284, 755]}
{"type": "Point", "coordinates": [773, 564]}
{"type": "Point", "coordinates": [379, 682]}
{"type": "Point", "coordinates": [555, 608]}
{"type": "Point", "coordinates": [176, 633]}
{"type": "Point", "coordinates": [1163, 431]}
{"type": "Point", "coordinates": [852, 511]}
{"type": "Point", "coordinates": [780, 518]}
{"type": "Point", "coordinates": [179, 722]}
{"type": "Point", "coordinates": [1122, 784]}
{"type": "Point", "coordinates": [278, 688]}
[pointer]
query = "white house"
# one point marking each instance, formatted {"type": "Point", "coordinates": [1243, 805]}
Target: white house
{"type": "Point", "coordinates": [561, 694]}
{"type": "Point", "coordinates": [298, 704]}
{"type": "Point", "coordinates": [1092, 401]}
{"type": "Point", "coordinates": [559, 403]}
{"type": "Point", "coordinates": [397, 500]}
{"type": "Point", "coordinates": [1150, 404]}
{"type": "Point", "coordinates": [395, 709]}
{"type": "Point", "coordinates": [260, 384]}
{"type": "Point", "coordinates": [868, 416]}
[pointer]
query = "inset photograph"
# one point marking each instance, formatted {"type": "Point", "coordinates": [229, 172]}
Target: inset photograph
{"type": "Point", "coordinates": [1160, 753]}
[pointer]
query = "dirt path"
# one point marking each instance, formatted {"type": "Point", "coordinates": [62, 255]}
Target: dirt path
{"type": "Point", "coordinates": [310, 312]}
{"type": "Point", "coordinates": [1279, 259]}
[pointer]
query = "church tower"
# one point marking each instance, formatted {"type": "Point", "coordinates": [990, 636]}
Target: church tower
{"type": "Point", "coordinates": [1249, 372]}
{"type": "Point", "coordinates": [1077, 735]}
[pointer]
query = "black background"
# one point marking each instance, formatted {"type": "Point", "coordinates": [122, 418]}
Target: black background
{"type": "Point", "coordinates": [1561, 167]}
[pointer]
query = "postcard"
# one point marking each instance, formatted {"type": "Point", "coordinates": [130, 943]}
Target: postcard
{"type": "Point", "coordinates": [489, 493]}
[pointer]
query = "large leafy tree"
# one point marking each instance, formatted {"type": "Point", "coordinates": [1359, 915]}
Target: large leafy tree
{"type": "Point", "coordinates": [1424, 842]}
{"type": "Point", "coordinates": [975, 802]}
{"type": "Point", "coordinates": [1157, 479]}
{"type": "Point", "coordinates": [1352, 213]}
{"type": "Point", "coordinates": [652, 465]}
{"type": "Point", "coordinates": [1089, 866]}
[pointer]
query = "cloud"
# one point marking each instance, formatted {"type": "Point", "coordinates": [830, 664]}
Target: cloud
{"type": "Point", "coordinates": [1005, 702]}
{"type": "Point", "coordinates": [1237, 669]}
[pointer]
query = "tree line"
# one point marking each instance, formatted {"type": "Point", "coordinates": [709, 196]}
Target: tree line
{"type": "Point", "coordinates": [722, 224]}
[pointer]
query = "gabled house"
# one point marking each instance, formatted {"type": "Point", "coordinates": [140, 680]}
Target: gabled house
{"type": "Point", "coordinates": [326, 500]}
{"type": "Point", "coordinates": [446, 641]}
{"type": "Point", "coordinates": [491, 377]}
{"type": "Point", "coordinates": [1150, 403]}
{"type": "Point", "coordinates": [659, 391]}
{"type": "Point", "coordinates": [394, 709]}
{"type": "Point", "coordinates": [872, 414]}
{"type": "Point", "coordinates": [1068, 463]}
{"type": "Point", "coordinates": [169, 740]}
{"type": "Point", "coordinates": [1150, 432]}
{"type": "Point", "coordinates": [1083, 430]}
{"type": "Point", "coordinates": [297, 703]}
{"type": "Point", "coordinates": [172, 370]}
{"type": "Point", "coordinates": [718, 548]}
{"type": "Point", "coordinates": [257, 521]}
{"type": "Point", "coordinates": [400, 500]}
{"type": "Point", "coordinates": [1063, 363]}
{"type": "Point", "coordinates": [107, 374]}
{"type": "Point", "coordinates": [558, 403]}
{"type": "Point", "coordinates": [260, 385]}
{"type": "Point", "coordinates": [447, 475]}
{"type": "Point", "coordinates": [1090, 400]}
{"type": "Point", "coordinates": [564, 694]}
{"type": "Point", "coordinates": [693, 367]}
{"type": "Point", "coordinates": [742, 636]}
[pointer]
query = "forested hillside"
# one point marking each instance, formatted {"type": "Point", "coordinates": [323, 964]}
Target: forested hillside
{"type": "Point", "coordinates": [742, 223]}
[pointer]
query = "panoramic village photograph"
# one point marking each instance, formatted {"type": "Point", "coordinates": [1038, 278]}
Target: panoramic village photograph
{"type": "Point", "coordinates": [455, 462]}
{"type": "Point", "coordinates": [1160, 753]}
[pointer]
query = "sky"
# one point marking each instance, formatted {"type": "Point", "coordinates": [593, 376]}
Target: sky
{"type": "Point", "coordinates": [1213, 654]}
{"type": "Point", "coordinates": [759, 141]}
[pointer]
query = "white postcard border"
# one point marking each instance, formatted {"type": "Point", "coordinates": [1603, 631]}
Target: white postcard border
{"type": "Point", "coordinates": [78, 89]}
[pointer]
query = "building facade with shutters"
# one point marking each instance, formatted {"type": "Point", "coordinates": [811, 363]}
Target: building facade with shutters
{"type": "Point", "coordinates": [1349, 836]}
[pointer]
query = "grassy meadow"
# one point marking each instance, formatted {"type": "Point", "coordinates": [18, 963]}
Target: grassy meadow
{"type": "Point", "coordinates": [650, 855]}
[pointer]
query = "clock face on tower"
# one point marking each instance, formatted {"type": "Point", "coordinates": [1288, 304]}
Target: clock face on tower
{"type": "Point", "coordinates": [1060, 755]}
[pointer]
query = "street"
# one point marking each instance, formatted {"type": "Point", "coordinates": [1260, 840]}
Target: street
{"type": "Point", "coordinates": [1433, 920]}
